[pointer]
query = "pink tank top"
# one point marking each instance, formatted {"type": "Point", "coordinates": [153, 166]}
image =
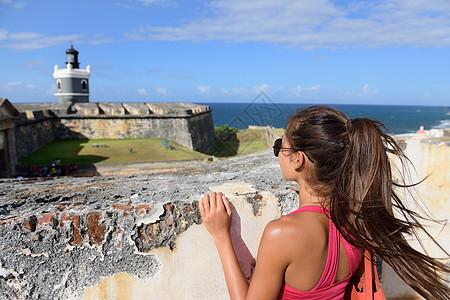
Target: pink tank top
{"type": "Point", "coordinates": [326, 288]}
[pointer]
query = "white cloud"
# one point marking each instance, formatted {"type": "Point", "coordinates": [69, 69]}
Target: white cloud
{"type": "Point", "coordinates": [28, 40]}
{"type": "Point", "coordinates": [203, 89]}
{"type": "Point", "coordinates": [239, 91]}
{"type": "Point", "coordinates": [19, 4]}
{"type": "Point", "coordinates": [17, 85]}
{"type": "Point", "coordinates": [3, 33]}
{"type": "Point", "coordinates": [299, 91]}
{"type": "Point", "coordinates": [124, 5]}
{"type": "Point", "coordinates": [142, 92]}
{"type": "Point", "coordinates": [14, 83]}
{"type": "Point", "coordinates": [163, 91]}
{"type": "Point", "coordinates": [262, 88]}
{"type": "Point", "coordinates": [313, 88]}
{"type": "Point", "coordinates": [315, 24]}
{"type": "Point", "coordinates": [366, 91]}
{"type": "Point", "coordinates": [14, 4]}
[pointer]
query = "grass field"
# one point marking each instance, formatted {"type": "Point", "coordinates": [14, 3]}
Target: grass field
{"type": "Point", "coordinates": [245, 142]}
{"type": "Point", "coordinates": [116, 150]}
{"type": "Point", "coordinates": [279, 131]}
{"type": "Point", "coordinates": [142, 150]}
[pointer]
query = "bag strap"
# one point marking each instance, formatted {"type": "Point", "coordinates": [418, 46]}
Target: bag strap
{"type": "Point", "coordinates": [368, 277]}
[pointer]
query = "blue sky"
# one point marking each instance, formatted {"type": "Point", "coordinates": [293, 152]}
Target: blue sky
{"type": "Point", "coordinates": [321, 51]}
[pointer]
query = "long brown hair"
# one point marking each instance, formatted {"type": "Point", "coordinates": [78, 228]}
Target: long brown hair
{"type": "Point", "coordinates": [352, 169]}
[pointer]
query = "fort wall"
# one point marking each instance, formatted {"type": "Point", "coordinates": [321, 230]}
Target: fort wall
{"type": "Point", "coordinates": [141, 237]}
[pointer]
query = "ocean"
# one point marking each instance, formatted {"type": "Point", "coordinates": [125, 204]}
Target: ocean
{"type": "Point", "coordinates": [397, 119]}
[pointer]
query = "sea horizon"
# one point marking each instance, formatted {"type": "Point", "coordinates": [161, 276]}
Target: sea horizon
{"type": "Point", "coordinates": [398, 119]}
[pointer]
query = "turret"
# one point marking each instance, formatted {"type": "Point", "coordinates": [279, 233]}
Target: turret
{"type": "Point", "coordinates": [72, 83]}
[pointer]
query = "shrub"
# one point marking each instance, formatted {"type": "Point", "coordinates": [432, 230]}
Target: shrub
{"type": "Point", "coordinates": [224, 128]}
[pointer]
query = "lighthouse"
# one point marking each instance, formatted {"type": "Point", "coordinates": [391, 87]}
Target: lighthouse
{"type": "Point", "coordinates": [72, 83]}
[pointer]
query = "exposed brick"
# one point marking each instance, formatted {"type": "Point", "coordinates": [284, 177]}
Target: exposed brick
{"type": "Point", "coordinates": [142, 209]}
{"type": "Point", "coordinates": [124, 207]}
{"type": "Point", "coordinates": [76, 234]}
{"type": "Point", "coordinates": [61, 207]}
{"type": "Point", "coordinates": [142, 234]}
{"type": "Point", "coordinates": [257, 196]}
{"type": "Point", "coordinates": [188, 207]}
{"type": "Point", "coordinates": [96, 231]}
{"type": "Point", "coordinates": [168, 206]}
{"type": "Point", "coordinates": [78, 204]}
{"type": "Point", "coordinates": [276, 187]}
{"type": "Point", "coordinates": [47, 219]}
{"type": "Point", "coordinates": [30, 223]}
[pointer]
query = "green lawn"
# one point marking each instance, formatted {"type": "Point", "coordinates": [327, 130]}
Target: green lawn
{"type": "Point", "coordinates": [143, 150]}
{"type": "Point", "coordinates": [116, 150]}
{"type": "Point", "coordinates": [279, 131]}
{"type": "Point", "coordinates": [245, 142]}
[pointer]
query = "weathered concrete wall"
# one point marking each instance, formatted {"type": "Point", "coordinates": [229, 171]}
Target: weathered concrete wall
{"type": "Point", "coordinates": [430, 157]}
{"type": "Point", "coordinates": [140, 237]}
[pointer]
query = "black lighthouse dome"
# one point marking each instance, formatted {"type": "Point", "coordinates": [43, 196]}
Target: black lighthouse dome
{"type": "Point", "coordinates": [72, 57]}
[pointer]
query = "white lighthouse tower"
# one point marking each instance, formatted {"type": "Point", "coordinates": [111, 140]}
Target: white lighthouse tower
{"type": "Point", "coordinates": [72, 83]}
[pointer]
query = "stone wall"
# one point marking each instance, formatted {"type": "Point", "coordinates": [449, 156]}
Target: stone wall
{"type": "Point", "coordinates": [141, 237]}
{"type": "Point", "coordinates": [430, 158]}
{"type": "Point", "coordinates": [31, 133]}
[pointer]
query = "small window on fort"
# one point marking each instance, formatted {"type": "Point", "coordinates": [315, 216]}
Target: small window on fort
{"type": "Point", "coordinates": [58, 84]}
{"type": "Point", "coordinates": [83, 85]}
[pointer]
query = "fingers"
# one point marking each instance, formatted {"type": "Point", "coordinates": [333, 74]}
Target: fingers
{"type": "Point", "coordinates": [214, 202]}
{"type": "Point", "coordinates": [201, 207]}
{"type": "Point", "coordinates": [205, 202]}
{"type": "Point", "coordinates": [227, 205]}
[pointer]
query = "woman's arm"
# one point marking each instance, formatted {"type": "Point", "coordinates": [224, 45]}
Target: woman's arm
{"type": "Point", "coordinates": [268, 276]}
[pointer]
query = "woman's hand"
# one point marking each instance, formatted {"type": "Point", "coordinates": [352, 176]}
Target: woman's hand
{"type": "Point", "coordinates": [216, 214]}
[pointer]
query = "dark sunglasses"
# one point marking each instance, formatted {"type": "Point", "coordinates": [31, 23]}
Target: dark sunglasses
{"type": "Point", "coordinates": [277, 147]}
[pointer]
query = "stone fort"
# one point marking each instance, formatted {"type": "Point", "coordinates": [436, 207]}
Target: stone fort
{"type": "Point", "coordinates": [26, 127]}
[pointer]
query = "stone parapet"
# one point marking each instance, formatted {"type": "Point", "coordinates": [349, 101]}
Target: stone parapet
{"type": "Point", "coordinates": [177, 109]}
{"type": "Point", "coordinates": [136, 109]}
{"type": "Point", "coordinates": [106, 109]}
{"type": "Point", "coordinates": [87, 109]}
{"type": "Point", "coordinates": [113, 109]}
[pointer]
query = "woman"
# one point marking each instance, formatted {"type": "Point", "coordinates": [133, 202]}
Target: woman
{"type": "Point", "coordinates": [346, 205]}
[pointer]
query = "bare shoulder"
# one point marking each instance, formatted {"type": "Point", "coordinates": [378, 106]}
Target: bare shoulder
{"type": "Point", "coordinates": [299, 244]}
{"type": "Point", "coordinates": [297, 230]}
